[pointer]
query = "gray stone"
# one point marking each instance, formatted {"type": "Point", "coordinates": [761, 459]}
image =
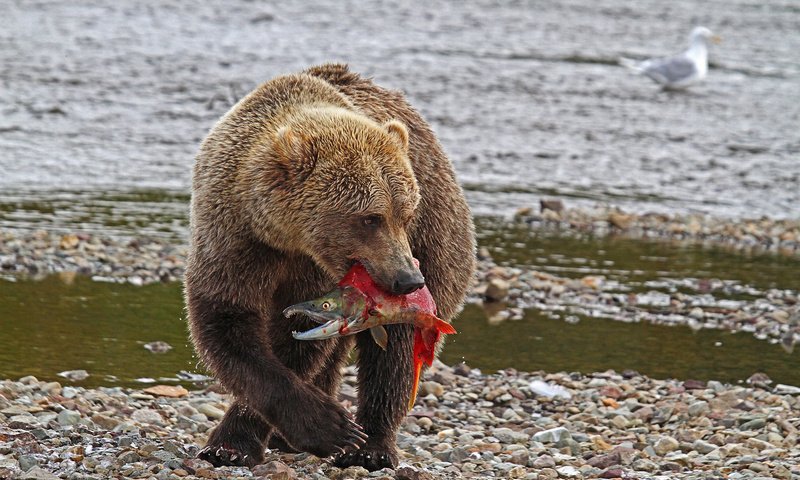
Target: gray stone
{"type": "Point", "coordinates": [128, 457]}
{"type": "Point", "coordinates": [36, 473]}
{"type": "Point", "coordinates": [544, 461]}
{"type": "Point", "coordinates": [69, 392]}
{"type": "Point", "coordinates": [664, 445]}
{"type": "Point", "coordinates": [698, 408]}
{"type": "Point", "coordinates": [753, 424]}
{"type": "Point", "coordinates": [703, 446]}
{"type": "Point", "coordinates": [68, 417]}
{"type": "Point", "coordinates": [210, 411]}
{"type": "Point", "coordinates": [552, 435]}
{"type": "Point", "coordinates": [645, 465]}
{"type": "Point", "coordinates": [506, 435]}
{"type": "Point", "coordinates": [568, 471]}
{"type": "Point", "coordinates": [146, 415]}
{"type": "Point", "coordinates": [520, 457]}
{"type": "Point", "coordinates": [26, 462]}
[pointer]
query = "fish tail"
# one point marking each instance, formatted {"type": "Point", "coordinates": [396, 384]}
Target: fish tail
{"type": "Point", "coordinates": [415, 385]}
{"type": "Point", "coordinates": [436, 322]}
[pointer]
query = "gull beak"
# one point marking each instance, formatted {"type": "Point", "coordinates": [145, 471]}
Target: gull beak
{"type": "Point", "coordinates": [716, 39]}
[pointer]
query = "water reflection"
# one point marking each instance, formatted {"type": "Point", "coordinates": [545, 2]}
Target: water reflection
{"type": "Point", "coordinates": [67, 322]}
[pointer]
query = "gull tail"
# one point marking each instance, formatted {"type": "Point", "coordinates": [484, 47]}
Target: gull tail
{"type": "Point", "coordinates": [631, 64]}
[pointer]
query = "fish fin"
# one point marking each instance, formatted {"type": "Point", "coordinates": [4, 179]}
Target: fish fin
{"type": "Point", "coordinates": [445, 327]}
{"type": "Point", "coordinates": [380, 336]}
{"type": "Point", "coordinates": [415, 385]}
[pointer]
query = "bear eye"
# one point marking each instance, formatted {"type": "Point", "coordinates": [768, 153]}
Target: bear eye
{"type": "Point", "coordinates": [372, 221]}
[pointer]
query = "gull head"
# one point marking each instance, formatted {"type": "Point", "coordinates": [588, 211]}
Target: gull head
{"type": "Point", "coordinates": [702, 35]}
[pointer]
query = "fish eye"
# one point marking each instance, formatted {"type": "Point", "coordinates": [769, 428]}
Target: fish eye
{"type": "Point", "coordinates": [326, 305]}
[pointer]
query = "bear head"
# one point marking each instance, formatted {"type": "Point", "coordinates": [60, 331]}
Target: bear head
{"type": "Point", "coordinates": [336, 186]}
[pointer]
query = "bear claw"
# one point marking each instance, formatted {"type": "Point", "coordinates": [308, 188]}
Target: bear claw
{"type": "Point", "coordinates": [223, 456]}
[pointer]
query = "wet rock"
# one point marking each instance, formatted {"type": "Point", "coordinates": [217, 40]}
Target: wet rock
{"type": "Point", "coordinates": [157, 346]}
{"type": "Point", "coordinates": [74, 375]}
{"type": "Point", "coordinates": [620, 220]}
{"type": "Point", "coordinates": [172, 391]}
{"type": "Point", "coordinates": [556, 206]}
{"type": "Point", "coordinates": [431, 388]}
{"type": "Point", "coordinates": [497, 290]}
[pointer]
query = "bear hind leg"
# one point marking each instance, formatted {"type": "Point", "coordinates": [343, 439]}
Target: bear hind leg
{"type": "Point", "coordinates": [384, 386]}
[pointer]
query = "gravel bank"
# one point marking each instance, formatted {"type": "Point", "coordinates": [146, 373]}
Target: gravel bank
{"type": "Point", "coordinates": [466, 424]}
{"type": "Point", "coordinates": [751, 235]}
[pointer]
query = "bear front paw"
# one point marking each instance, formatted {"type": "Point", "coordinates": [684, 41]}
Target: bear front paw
{"type": "Point", "coordinates": [371, 459]}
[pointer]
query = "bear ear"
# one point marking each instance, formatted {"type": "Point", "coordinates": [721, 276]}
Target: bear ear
{"type": "Point", "coordinates": [399, 131]}
{"type": "Point", "coordinates": [289, 148]}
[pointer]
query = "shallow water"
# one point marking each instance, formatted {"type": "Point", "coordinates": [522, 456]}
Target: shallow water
{"type": "Point", "coordinates": [66, 322]}
{"type": "Point", "coordinates": [525, 96]}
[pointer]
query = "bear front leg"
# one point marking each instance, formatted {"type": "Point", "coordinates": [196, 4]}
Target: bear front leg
{"type": "Point", "coordinates": [384, 387]}
{"type": "Point", "coordinates": [238, 439]}
{"type": "Point", "coordinates": [328, 379]}
{"type": "Point", "coordinates": [233, 344]}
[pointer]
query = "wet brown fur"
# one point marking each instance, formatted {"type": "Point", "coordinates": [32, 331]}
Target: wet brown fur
{"type": "Point", "coordinates": [281, 188]}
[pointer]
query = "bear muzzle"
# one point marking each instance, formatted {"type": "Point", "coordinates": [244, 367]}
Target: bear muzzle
{"type": "Point", "coordinates": [407, 281]}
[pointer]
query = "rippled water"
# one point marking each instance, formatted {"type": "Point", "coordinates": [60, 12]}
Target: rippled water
{"type": "Point", "coordinates": [525, 96]}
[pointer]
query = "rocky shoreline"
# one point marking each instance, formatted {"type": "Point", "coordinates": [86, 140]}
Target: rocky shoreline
{"type": "Point", "coordinates": [465, 424]}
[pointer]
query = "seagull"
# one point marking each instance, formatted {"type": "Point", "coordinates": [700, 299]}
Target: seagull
{"type": "Point", "coordinates": [679, 71]}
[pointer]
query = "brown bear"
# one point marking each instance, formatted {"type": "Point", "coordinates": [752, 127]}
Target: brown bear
{"type": "Point", "coordinates": [304, 176]}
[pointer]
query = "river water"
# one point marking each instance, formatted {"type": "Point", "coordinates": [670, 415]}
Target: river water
{"type": "Point", "coordinates": [103, 105]}
{"type": "Point", "coordinates": [113, 98]}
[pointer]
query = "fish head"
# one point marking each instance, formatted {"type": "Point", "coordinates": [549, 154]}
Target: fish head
{"type": "Point", "coordinates": [341, 302]}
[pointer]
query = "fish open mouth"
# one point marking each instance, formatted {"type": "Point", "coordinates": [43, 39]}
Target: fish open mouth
{"type": "Point", "coordinates": [309, 310]}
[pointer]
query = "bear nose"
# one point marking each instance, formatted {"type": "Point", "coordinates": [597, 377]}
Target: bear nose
{"type": "Point", "coordinates": [407, 282]}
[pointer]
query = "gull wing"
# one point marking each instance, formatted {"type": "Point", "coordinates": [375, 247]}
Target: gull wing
{"type": "Point", "coordinates": [671, 70]}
